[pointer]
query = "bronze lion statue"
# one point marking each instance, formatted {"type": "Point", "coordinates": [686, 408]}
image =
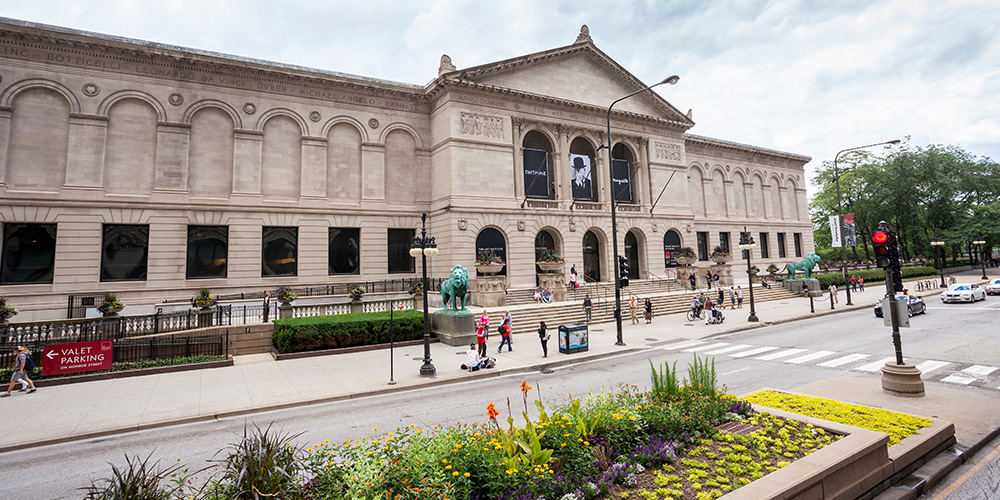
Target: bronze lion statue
{"type": "Point", "coordinates": [806, 264]}
{"type": "Point", "coordinates": [454, 289]}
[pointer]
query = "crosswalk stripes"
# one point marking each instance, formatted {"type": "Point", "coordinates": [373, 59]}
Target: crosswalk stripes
{"type": "Point", "coordinates": [751, 352]}
{"type": "Point", "coordinates": [707, 347]}
{"type": "Point", "coordinates": [980, 370]}
{"type": "Point", "coordinates": [726, 349]}
{"type": "Point", "coordinates": [958, 378]}
{"type": "Point", "coordinates": [876, 366]}
{"type": "Point", "coordinates": [809, 357]}
{"type": "Point", "coordinates": [678, 345]}
{"type": "Point", "coordinates": [843, 360]}
{"type": "Point", "coordinates": [929, 366]}
{"type": "Point", "coordinates": [780, 354]}
{"type": "Point", "coordinates": [968, 375]}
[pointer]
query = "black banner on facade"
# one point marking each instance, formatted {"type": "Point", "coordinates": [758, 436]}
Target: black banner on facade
{"type": "Point", "coordinates": [583, 185]}
{"type": "Point", "coordinates": [621, 181]}
{"type": "Point", "coordinates": [671, 246]}
{"type": "Point", "coordinates": [536, 173]}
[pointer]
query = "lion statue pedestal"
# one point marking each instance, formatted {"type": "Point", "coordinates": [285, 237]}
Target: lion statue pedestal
{"type": "Point", "coordinates": [454, 324]}
{"type": "Point", "coordinates": [795, 286]}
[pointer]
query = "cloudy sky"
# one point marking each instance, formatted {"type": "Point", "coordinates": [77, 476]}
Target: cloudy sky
{"type": "Point", "coordinates": [810, 77]}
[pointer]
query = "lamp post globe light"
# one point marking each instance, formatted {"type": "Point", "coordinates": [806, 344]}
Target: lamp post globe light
{"type": "Point", "coordinates": [425, 247]}
{"type": "Point", "coordinates": [938, 244]}
{"type": "Point", "coordinates": [747, 244]}
{"type": "Point", "coordinates": [982, 256]}
{"type": "Point", "coordinates": [672, 80]}
{"type": "Point", "coordinates": [840, 210]}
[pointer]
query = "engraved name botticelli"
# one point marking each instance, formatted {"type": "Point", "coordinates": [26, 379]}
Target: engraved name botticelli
{"type": "Point", "coordinates": [486, 126]}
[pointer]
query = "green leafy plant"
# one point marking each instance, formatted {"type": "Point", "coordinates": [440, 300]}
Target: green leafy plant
{"type": "Point", "coordinates": [702, 376]}
{"type": "Point", "coordinates": [345, 330]}
{"type": "Point", "coordinates": [686, 253]}
{"type": "Point", "coordinates": [204, 298]}
{"type": "Point", "coordinates": [138, 480]}
{"type": "Point", "coordinates": [263, 465]}
{"type": "Point", "coordinates": [550, 258]}
{"type": "Point", "coordinates": [721, 251]}
{"type": "Point", "coordinates": [357, 292]}
{"type": "Point", "coordinates": [665, 383]}
{"type": "Point", "coordinates": [111, 303]}
{"type": "Point", "coordinates": [285, 294]}
{"type": "Point", "coordinates": [6, 310]}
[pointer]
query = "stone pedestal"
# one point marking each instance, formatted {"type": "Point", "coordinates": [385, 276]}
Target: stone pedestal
{"type": "Point", "coordinates": [205, 318]}
{"type": "Point", "coordinates": [682, 273]}
{"type": "Point", "coordinates": [357, 306]}
{"type": "Point", "coordinates": [795, 286]}
{"type": "Point", "coordinates": [454, 328]}
{"type": "Point", "coordinates": [488, 291]}
{"type": "Point", "coordinates": [556, 283]}
{"type": "Point", "coordinates": [285, 311]}
{"type": "Point", "coordinates": [902, 380]}
{"type": "Point", "coordinates": [725, 272]}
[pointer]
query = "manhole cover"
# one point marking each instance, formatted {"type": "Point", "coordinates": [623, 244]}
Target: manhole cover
{"type": "Point", "coordinates": [547, 371]}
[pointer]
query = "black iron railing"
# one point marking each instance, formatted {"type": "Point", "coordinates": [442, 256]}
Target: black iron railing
{"type": "Point", "coordinates": [384, 286]}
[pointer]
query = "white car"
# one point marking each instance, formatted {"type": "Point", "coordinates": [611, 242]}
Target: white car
{"type": "Point", "coordinates": [993, 287]}
{"type": "Point", "coordinates": [961, 292]}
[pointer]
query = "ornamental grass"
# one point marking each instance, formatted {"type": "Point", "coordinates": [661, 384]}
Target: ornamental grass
{"type": "Point", "coordinates": [897, 425]}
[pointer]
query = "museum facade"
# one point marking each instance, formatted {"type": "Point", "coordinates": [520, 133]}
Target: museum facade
{"type": "Point", "coordinates": [152, 171]}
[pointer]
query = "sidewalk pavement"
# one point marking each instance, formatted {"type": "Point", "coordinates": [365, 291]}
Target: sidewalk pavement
{"type": "Point", "coordinates": [256, 383]}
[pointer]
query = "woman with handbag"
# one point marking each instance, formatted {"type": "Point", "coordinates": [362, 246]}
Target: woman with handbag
{"type": "Point", "coordinates": [543, 336]}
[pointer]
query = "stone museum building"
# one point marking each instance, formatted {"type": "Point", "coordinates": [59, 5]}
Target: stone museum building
{"type": "Point", "coordinates": [152, 171]}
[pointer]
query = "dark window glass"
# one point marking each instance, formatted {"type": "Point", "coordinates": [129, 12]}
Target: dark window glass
{"type": "Point", "coordinates": [702, 246]}
{"type": "Point", "coordinates": [491, 240]}
{"type": "Point", "coordinates": [781, 245]}
{"type": "Point", "coordinates": [765, 251]}
{"type": "Point", "coordinates": [279, 253]}
{"type": "Point", "coordinates": [400, 241]}
{"type": "Point", "coordinates": [29, 253]}
{"type": "Point", "coordinates": [345, 253]}
{"type": "Point", "coordinates": [207, 249]}
{"type": "Point", "coordinates": [797, 237]}
{"type": "Point", "coordinates": [724, 241]}
{"type": "Point", "coordinates": [124, 252]}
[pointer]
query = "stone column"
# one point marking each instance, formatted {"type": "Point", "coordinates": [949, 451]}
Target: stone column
{"type": "Point", "coordinates": [515, 125]}
{"type": "Point", "coordinates": [5, 117]}
{"type": "Point", "coordinates": [87, 137]}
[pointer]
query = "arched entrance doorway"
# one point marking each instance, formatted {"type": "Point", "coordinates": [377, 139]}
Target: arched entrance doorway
{"type": "Point", "coordinates": [671, 245]}
{"type": "Point", "coordinates": [491, 242]}
{"type": "Point", "coordinates": [632, 254]}
{"type": "Point", "coordinates": [591, 257]}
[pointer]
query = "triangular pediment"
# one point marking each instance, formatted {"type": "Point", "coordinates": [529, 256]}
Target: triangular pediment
{"type": "Point", "coordinates": [578, 73]}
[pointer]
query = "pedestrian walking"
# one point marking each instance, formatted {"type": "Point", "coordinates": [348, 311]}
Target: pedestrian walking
{"type": "Point", "coordinates": [267, 305]}
{"type": "Point", "coordinates": [505, 337]}
{"type": "Point", "coordinates": [722, 298]}
{"type": "Point", "coordinates": [484, 320]}
{"type": "Point", "coordinates": [632, 305]}
{"type": "Point", "coordinates": [647, 311]}
{"type": "Point", "coordinates": [739, 297]}
{"type": "Point", "coordinates": [20, 371]}
{"type": "Point", "coordinates": [708, 279]}
{"type": "Point", "coordinates": [715, 279]}
{"type": "Point", "coordinates": [588, 307]}
{"type": "Point", "coordinates": [481, 339]}
{"type": "Point", "coordinates": [709, 307]}
{"type": "Point", "coordinates": [572, 280]}
{"type": "Point", "coordinates": [693, 279]}
{"type": "Point", "coordinates": [861, 283]}
{"type": "Point", "coordinates": [508, 319]}
{"type": "Point", "coordinates": [732, 298]}
{"type": "Point", "coordinates": [833, 293]}
{"type": "Point", "coordinates": [543, 337]}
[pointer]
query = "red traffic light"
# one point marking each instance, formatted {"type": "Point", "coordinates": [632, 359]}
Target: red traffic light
{"type": "Point", "coordinates": [880, 237]}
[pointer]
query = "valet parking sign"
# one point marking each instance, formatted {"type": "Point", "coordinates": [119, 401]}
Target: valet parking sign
{"type": "Point", "coordinates": [77, 357]}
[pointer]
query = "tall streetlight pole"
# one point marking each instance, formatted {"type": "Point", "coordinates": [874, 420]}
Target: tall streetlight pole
{"type": "Point", "coordinates": [614, 224]}
{"type": "Point", "coordinates": [425, 247]}
{"type": "Point", "coordinates": [840, 211]}
{"type": "Point", "coordinates": [747, 245]}
{"type": "Point", "coordinates": [982, 256]}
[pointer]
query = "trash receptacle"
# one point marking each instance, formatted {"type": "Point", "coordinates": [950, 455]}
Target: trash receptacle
{"type": "Point", "coordinates": [573, 338]}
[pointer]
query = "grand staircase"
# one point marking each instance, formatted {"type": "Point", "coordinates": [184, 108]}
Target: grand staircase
{"type": "Point", "coordinates": [667, 296]}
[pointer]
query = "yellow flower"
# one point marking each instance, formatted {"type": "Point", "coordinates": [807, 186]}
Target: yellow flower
{"type": "Point", "coordinates": [466, 474]}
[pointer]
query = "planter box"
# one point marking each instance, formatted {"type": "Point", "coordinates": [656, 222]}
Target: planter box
{"type": "Point", "coordinates": [549, 266]}
{"type": "Point", "coordinates": [490, 268]}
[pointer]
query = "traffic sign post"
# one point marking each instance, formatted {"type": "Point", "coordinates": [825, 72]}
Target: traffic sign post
{"type": "Point", "coordinates": [60, 359]}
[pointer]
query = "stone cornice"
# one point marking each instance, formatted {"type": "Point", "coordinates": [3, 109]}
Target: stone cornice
{"type": "Point", "coordinates": [711, 143]}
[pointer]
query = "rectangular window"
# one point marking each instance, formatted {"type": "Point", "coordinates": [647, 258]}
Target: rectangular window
{"type": "Point", "coordinates": [781, 245]}
{"type": "Point", "coordinates": [702, 246]}
{"type": "Point", "coordinates": [765, 250]}
{"type": "Point", "coordinates": [797, 237]}
{"type": "Point", "coordinates": [724, 241]}
{"type": "Point", "coordinates": [399, 251]}
{"type": "Point", "coordinates": [279, 251]}
{"type": "Point", "coordinates": [29, 253]}
{"type": "Point", "coordinates": [345, 250]}
{"type": "Point", "coordinates": [124, 252]}
{"type": "Point", "coordinates": [207, 251]}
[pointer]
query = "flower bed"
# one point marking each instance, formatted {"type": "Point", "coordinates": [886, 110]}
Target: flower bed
{"type": "Point", "coordinates": [897, 425]}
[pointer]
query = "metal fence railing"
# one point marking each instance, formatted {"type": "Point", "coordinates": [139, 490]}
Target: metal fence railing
{"type": "Point", "coordinates": [384, 286]}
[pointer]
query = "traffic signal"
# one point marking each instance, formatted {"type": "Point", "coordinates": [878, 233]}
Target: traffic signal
{"type": "Point", "coordinates": [897, 279]}
{"type": "Point", "coordinates": [623, 270]}
{"type": "Point", "coordinates": [884, 243]}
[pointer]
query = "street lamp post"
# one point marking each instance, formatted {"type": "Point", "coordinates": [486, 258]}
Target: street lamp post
{"type": "Point", "coordinates": [938, 244]}
{"type": "Point", "coordinates": [425, 247]}
{"type": "Point", "coordinates": [982, 256]}
{"type": "Point", "coordinates": [840, 211]}
{"type": "Point", "coordinates": [747, 244]}
{"type": "Point", "coordinates": [614, 224]}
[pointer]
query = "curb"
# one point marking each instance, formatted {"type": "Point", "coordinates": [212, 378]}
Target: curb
{"type": "Point", "coordinates": [936, 470]}
{"type": "Point", "coordinates": [282, 406]}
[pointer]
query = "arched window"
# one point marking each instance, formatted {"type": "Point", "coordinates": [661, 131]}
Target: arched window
{"type": "Point", "coordinates": [622, 177]}
{"type": "Point", "coordinates": [537, 170]}
{"type": "Point", "coordinates": [582, 164]}
{"type": "Point", "coordinates": [491, 242]}
{"type": "Point", "coordinates": [632, 254]}
{"type": "Point", "coordinates": [671, 245]}
{"type": "Point", "coordinates": [591, 257]}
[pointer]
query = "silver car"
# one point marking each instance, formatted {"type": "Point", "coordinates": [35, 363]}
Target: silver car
{"type": "Point", "coordinates": [993, 287]}
{"type": "Point", "coordinates": [962, 292]}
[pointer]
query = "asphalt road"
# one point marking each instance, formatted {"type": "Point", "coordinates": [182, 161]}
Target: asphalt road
{"type": "Point", "coordinates": [953, 334]}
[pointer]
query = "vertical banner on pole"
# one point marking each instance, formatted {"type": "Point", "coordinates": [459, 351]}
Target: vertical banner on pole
{"type": "Point", "coordinates": [850, 235]}
{"type": "Point", "coordinates": [835, 231]}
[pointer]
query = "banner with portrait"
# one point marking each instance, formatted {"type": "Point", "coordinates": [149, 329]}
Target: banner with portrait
{"type": "Point", "coordinates": [583, 184]}
{"type": "Point", "coordinates": [621, 181]}
{"type": "Point", "coordinates": [536, 173]}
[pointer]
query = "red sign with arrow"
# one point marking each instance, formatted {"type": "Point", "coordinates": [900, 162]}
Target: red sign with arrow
{"type": "Point", "coordinates": [78, 357]}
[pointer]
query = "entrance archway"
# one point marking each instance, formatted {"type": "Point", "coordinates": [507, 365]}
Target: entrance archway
{"type": "Point", "coordinates": [591, 257]}
{"type": "Point", "coordinates": [632, 254]}
{"type": "Point", "coordinates": [545, 244]}
{"type": "Point", "coordinates": [491, 242]}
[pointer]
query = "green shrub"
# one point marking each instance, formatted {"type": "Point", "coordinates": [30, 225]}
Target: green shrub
{"type": "Point", "coordinates": [345, 330]}
{"type": "Point", "coordinates": [872, 275]}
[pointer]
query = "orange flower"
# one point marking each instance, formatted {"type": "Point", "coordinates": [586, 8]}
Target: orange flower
{"type": "Point", "coordinates": [525, 387]}
{"type": "Point", "coordinates": [492, 411]}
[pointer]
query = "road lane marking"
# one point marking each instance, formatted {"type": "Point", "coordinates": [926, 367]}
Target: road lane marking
{"type": "Point", "coordinates": [709, 346]}
{"type": "Point", "coordinates": [727, 349]}
{"type": "Point", "coordinates": [980, 370]}
{"type": "Point", "coordinates": [751, 352]}
{"type": "Point", "coordinates": [958, 379]}
{"type": "Point", "coordinates": [965, 477]}
{"type": "Point", "coordinates": [876, 366]}
{"type": "Point", "coordinates": [678, 345]}
{"type": "Point", "coordinates": [810, 357]}
{"type": "Point", "coordinates": [929, 366]}
{"type": "Point", "coordinates": [735, 371]}
{"type": "Point", "coordinates": [780, 354]}
{"type": "Point", "coordinates": [843, 360]}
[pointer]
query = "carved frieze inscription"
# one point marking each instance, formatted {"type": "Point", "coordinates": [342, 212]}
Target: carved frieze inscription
{"type": "Point", "coordinates": [482, 125]}
{"type": "Point", "coordinates": [667, 152]}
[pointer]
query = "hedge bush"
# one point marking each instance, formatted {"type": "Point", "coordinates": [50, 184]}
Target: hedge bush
{"type": "Point", "coordinates": [872, 275]}
{"type": "Point", "coordinates": [345, 330]}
